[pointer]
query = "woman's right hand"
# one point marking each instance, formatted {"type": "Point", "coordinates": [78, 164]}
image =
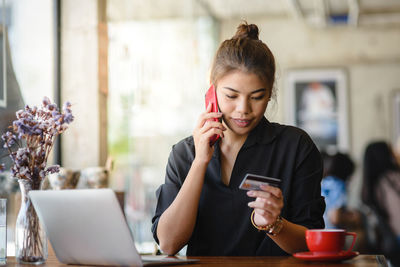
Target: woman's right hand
{"type": "Point", "coordinates": [204, 130]}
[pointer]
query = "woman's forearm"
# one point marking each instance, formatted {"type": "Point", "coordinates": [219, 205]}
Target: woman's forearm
{"type": "Point", "coordinates": [178, 220]}
{"type": "Point", "coordinates": [291, 238]}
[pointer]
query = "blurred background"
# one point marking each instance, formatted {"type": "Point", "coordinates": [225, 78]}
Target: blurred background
{"type": "Point", "coordinates": [136, 72]}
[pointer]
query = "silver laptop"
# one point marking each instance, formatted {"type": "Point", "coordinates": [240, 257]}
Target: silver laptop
{"type": "Point", "coordinates": [87, 226]}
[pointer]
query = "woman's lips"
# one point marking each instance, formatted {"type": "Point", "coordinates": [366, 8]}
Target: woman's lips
{"type": "Point", "coordinates": [241, 123]}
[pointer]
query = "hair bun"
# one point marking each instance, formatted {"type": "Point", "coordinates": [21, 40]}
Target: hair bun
{"type": "Point", "coordinates": [245, 30]}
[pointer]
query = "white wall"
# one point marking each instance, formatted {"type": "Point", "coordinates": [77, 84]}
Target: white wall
{"type": "Point", "coordinates": [371, 57]}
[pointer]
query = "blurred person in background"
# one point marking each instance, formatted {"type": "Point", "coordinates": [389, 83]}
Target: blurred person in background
{"type": "Point", "coordinates": [396, 150]}
{"type": "Point", "coordinates": [338, 169]}
{"type": "Point", "coordinates": [381, 193]}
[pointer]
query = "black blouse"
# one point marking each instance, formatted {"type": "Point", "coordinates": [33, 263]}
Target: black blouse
{"type": "Point", "coordinates": [223, 226]}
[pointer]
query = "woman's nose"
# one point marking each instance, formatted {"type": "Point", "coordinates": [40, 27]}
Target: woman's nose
{"type": "Point", "coordinates": [243, 106]}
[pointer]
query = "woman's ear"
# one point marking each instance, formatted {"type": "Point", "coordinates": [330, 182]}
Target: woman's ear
{"type": "Point", "coordinates": [269, 96]}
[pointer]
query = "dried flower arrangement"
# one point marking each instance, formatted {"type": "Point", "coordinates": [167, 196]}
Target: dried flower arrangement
{"type": "Point", "coordinates": [33, 134]}
{"type": "Point", "coordinates": [38, 127]}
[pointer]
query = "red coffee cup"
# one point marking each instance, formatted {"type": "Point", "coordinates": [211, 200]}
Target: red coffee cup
{"type": "Point", "coordinates": [328, 240]}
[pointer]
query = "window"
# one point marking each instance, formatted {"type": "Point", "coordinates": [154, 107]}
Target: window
{"type": "Point", "coordinates": [27, 47]}
{"type": "Point", "coordinates": [26, 74]}
{"type": "Point", "coordinates": [157, 81]}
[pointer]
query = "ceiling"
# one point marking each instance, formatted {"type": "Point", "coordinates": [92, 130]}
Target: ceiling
{"type": "Point", "coordinates": [316, 13]}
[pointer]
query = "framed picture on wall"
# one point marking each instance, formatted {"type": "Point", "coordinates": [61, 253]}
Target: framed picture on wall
{"type": "Point", "coordinates": [317, 103]}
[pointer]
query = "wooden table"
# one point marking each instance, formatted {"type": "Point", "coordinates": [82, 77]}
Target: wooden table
{"type": "Point", "coordinates": [361, 261]}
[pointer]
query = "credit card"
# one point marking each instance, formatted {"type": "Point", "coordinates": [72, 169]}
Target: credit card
{"type": "Point", "coordinates": [254, 181]}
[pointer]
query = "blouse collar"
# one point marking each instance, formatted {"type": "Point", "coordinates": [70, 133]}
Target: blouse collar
{"type": "Point", "coordinates": [264, 133]}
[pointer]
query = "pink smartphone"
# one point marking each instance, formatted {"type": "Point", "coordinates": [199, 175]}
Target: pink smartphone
{"type": "Point", "coordinates": [211, 97]}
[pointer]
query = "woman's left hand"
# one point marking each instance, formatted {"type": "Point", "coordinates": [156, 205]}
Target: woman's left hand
{"type": "Point", "coordinates": [267, 205]}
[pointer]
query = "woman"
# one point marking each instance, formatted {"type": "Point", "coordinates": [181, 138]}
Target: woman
{"type": "Point", "coordinates": [381, 192]}
{"type": "Point", "coordinates": [200, 203]}
{"type": "Point", "coordinates": [337, 170]}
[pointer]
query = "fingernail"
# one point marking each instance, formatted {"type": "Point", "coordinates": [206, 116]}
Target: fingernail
{"type": "Point", "coordinates": [219, 113]}
{"type": "Point", "coordinates": [250, 193]}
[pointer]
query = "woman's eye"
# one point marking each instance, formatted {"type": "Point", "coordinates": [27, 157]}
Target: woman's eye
{"type": "Point", "coordinates": [258, 97]}
{"type": "Point", "coordinates": [231, 96]}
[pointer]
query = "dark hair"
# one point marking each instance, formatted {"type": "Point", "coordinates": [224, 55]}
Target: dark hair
{"type": "Point", "coordinates": [378, 160]}
{"type": "Point", "coordinates": [340, 165]}
{"type": "Point", "coordinates": [245, 52]}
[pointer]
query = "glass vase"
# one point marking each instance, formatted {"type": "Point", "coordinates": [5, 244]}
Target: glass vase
{"type": "Point", "coordinates": [30, 237]}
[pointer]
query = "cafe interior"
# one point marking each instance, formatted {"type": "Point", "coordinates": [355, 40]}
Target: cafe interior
{"type": "Point", "coordinates": [136, 71]}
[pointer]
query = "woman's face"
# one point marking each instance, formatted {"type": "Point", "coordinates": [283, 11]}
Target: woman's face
{"type": "Point", "coordinates": [242, 98]}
